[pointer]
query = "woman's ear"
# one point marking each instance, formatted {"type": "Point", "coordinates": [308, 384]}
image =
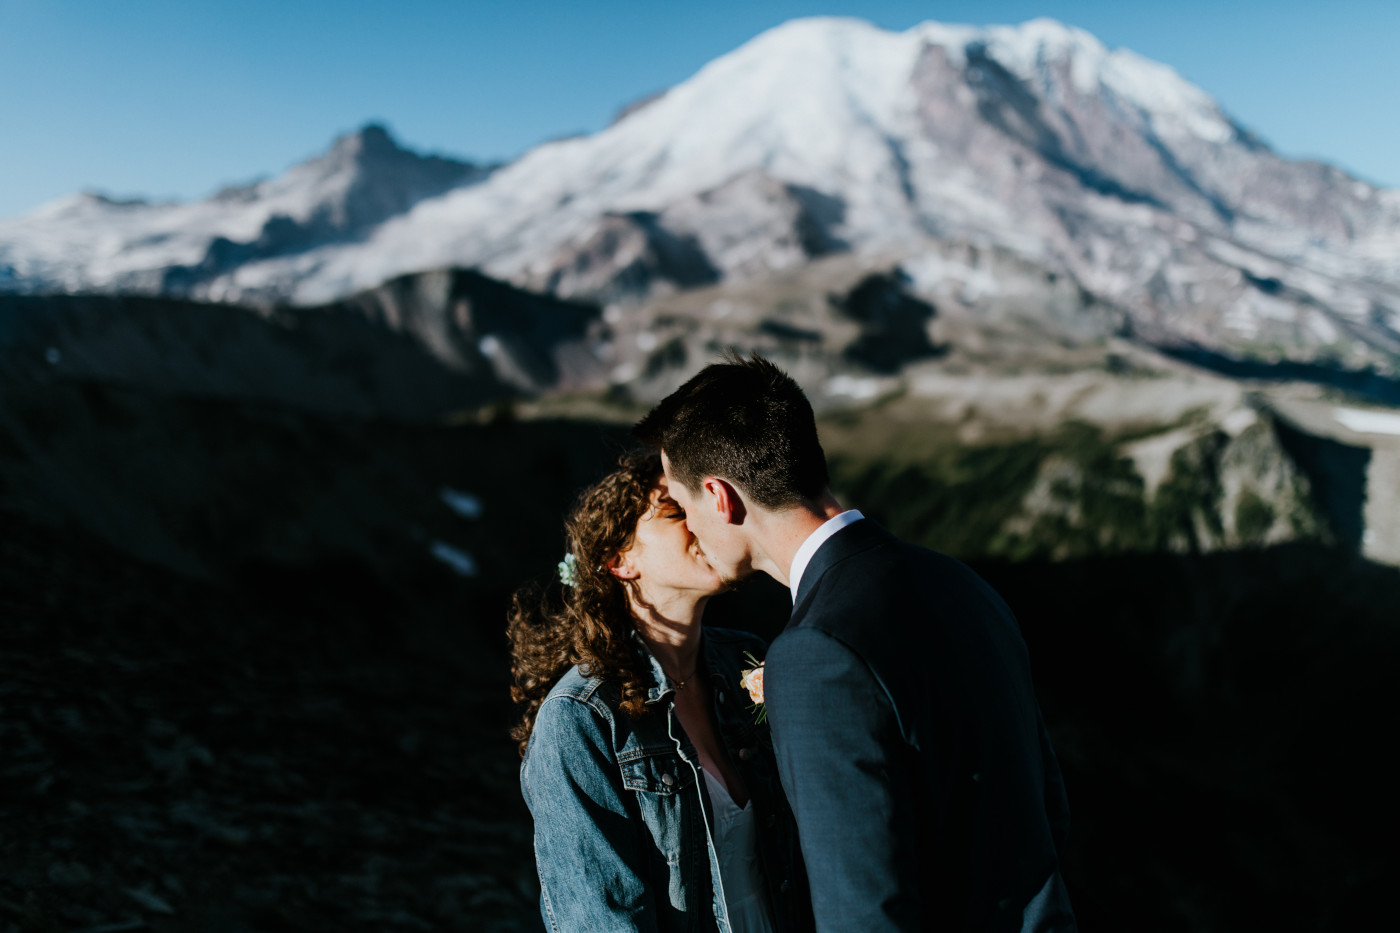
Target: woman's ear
{"type": "Point", "coordinates": [620, 566]}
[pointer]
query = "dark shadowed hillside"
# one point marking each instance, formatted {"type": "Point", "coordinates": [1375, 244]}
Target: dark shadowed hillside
{"type": "Point", "coordinates": [261, 703]}
{"type": "Point", "coordinates": [248, 695]}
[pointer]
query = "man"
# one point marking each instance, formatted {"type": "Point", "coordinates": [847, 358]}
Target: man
{"type": "Point", "coordinates": [908, 735]}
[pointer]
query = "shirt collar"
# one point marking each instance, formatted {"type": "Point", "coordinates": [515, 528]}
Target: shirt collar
{"type": "Point", "coordinates": [815, 540]}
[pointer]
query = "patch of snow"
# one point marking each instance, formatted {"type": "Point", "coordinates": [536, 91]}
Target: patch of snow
{"type": "Point", "coordinates": [1238, 318]}
{"type": "Point", "coordinates": [624, 373]}
{"type": "Point", "coordinates": [1238, 420]}
{"type": "Point", "coordinates": [461, 563]}
{"type": "Point", "coordinates": [1268, 307]}
{"type": "Point", "coordinates": [860, 388]}
{"type": "Point", "coordinates": [934, 273]}
{"type": "Point", "coordinates": [150, 900]}
{"type": "Point", "coordinates": [1152, 457]}
{"type": "Point", "coordinates": [1325, 330]}
{"type": "Point", "coordinates": [463, 503]}
{"type": "Point", "coordinates": [1364, 421]}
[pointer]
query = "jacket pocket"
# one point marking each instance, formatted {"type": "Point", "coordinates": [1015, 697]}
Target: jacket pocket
{"type": "Point", "coordinates": [669, 804]}
{"type": "Point", "coordinates": [661, 773]}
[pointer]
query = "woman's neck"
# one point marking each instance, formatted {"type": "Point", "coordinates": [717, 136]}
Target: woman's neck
{"type": "Point", "coordinates": [670, 626]}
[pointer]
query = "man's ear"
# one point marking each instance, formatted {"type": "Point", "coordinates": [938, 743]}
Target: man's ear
{"type": "Point", "coordinates": [724, 499]}
{"type": "Point", "coordinates": [620, 566]}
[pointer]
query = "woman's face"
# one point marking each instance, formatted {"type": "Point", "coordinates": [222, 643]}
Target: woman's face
{"type": "Point", "coordinates": [664, 554]}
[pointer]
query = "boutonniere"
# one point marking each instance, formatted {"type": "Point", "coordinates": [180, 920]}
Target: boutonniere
{"type": "Point", "coordinates": [752, 681]}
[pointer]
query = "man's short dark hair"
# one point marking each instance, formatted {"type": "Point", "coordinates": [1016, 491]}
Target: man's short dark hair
{"type": "Point", "coordinates": [746, 421]}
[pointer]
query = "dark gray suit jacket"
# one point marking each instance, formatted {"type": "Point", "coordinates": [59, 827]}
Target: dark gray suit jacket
{"type": "Point", "coordinates": [911, 746]}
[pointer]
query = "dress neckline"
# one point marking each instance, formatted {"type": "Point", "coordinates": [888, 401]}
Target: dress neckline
{"type": "Point", "coordinates": [720, 789]}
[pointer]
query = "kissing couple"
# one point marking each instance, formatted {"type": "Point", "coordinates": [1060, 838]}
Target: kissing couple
{"type": "Point", "coordinates": [882, 766]}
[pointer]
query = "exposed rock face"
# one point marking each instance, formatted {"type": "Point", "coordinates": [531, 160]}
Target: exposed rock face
{"type": "Point", "coordinates": [623, 256]}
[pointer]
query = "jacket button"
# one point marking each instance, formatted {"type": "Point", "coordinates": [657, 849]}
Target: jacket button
{"type": "Point", "coordinates": [783, 888]}
{"type": "Point", "coordinates": [721, 696]}
{"type": "Point", "coordinates": [745, 754]}
{"type": "Point", "coordinates": [668, 780]}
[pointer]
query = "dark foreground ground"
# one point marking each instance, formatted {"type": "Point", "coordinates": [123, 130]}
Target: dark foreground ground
{"type": "Point", "coordinates": [179, 757]}
{"type": "Point", "coordinates": [302, 729]}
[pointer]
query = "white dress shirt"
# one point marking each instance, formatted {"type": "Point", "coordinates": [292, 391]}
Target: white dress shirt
{"type": "Point", "coordinates": [816, 539]}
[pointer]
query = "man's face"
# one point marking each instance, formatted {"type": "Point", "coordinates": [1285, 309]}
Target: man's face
{"type": "Point", "coordinates": [720, 541]}
{"type": "Point", "coordinates": [665, 554]}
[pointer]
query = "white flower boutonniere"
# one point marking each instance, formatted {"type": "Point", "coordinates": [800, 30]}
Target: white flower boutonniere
{"type": "Point", "coordinates": [752, 681]}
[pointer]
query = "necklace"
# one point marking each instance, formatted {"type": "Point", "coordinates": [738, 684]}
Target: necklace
{"type": "Point", "coordinates": [677, 682]}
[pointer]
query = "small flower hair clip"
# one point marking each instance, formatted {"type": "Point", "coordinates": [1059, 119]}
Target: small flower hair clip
{"type": "Point", "coordinates": [567, 569]}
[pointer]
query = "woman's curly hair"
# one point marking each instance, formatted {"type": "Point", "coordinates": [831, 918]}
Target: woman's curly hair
{"type": "Point", "coordinates": [588, 623]}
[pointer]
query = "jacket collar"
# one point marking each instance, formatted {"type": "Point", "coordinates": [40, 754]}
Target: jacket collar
{"type": "Point", "coordinates": [661, 684]}
{"type": "Point", "coordinates": [849, 541]}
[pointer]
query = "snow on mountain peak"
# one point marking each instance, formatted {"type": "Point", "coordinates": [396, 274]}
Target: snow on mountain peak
{"type": "Point", "coordinates": [1036, 42]}
{"type": "Point", "coordinates": [1042, 52]}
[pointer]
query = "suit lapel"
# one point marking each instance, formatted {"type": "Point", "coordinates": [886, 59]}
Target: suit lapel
{"type": "Point", "coordinates": [853, 539]}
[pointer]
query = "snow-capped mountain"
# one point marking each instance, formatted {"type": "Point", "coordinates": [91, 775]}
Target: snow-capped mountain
{"type": "Point", "coordinates": [88, 242]}
{"type": "Point", "coordinates": [821, 136]}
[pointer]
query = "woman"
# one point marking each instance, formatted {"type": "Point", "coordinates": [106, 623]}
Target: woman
{"type": "Point", "coordinates": [653, 787]}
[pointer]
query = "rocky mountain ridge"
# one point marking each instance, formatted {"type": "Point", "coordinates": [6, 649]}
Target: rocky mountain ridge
{"type": "Point", "coordinates": [91, 243]}
{"type": "Point", "coordinates": [415, 348]}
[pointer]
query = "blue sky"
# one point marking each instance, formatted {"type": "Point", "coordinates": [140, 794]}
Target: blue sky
{"type": "Point", "coordinates": [175, 98]}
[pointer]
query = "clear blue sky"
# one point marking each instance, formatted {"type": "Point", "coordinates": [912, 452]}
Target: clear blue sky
{"type": "Point", "coordinates": [175, 98]}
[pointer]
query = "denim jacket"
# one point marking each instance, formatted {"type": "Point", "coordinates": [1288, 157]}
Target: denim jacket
{"type": "Point", "coordinates": [622, 815]}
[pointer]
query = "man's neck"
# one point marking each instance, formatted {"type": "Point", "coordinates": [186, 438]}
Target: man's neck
{"type": "Point", "coordinates": [779, 535]}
